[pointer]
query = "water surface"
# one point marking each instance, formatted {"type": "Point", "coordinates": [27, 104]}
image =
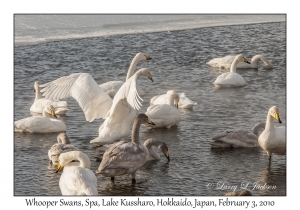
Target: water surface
{"type": "Point", "coordinates": [178, 62]}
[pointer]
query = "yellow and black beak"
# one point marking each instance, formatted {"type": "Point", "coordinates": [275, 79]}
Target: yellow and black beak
{"type": "Point", "coordinates": [53, 113]}
{"type": "Point", "coordinates": [59, 167]}
{"type": "Point", "coordinates": [246, 61]}
{"type": "Point", "coordinates": [167, 155]}
{"type": "Point", "coordinates": [150, 122]}
{"type": "Point", "coordinates": [150, 77]}
{"type": "Point", "coordinates": [277, 117]}
{"type": "Point", "coordinates": [147, 57]}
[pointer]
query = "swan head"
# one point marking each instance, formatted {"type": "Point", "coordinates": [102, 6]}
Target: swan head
{"type": "Point", "coordinates": [50, 109]}
{"type": "Point", "coordinates": [62, 138]}
{"type": "Point", "coordinates": [274, 112]}
{"type": "Point", "coordinates": [145, 72]}
{"type": "Point", "coordinates": [164, 149]}
{"type": "Point", "coordinates": [36, 86]}
{"type": "Point", "coordinates": [144, 119]}
{"type": "Point", "coordinates": [242, 58]}
{"type": "Point", "coordinates": [142, 56]}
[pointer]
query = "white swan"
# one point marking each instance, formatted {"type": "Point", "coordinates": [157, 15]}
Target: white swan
{"type": "Point", "coordinates": [77, 178]}
{"type": "Point", "coordinates": [232, 79]}
{"type": "Point", "coordinates": [39, 103]}
{"type": "Point", "coordinates": [184, 102]}
{"type": "Point", "coordinates": [165, 115]}
{"type": "Point", "coordinates": [124, 109]}
{"type": "Point", "coordinates": [63, 145]}
{"type": "Point", "coordinates": [112, 87]}
{"type": "Point", "coordinates": [40, 124]}
{"type": "Point", "coordinates": [126, 157]}
{"type": "Point", "coordinates": [273, 139]}
{"type": "Point", "coordinates": [238, 137]}
{"type": "Point", "coordinates": [225, 62]}
{"type": "Point", "coordinates": [94, 102]}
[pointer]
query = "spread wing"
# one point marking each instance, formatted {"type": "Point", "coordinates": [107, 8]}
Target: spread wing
{"type": "Point", "coordinates": [94, 102]}
{"type": "Point", "coordinates": [129, 92]}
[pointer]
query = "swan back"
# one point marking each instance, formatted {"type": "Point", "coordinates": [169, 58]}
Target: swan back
{"type": "Point", "coordinates": [235, 138]}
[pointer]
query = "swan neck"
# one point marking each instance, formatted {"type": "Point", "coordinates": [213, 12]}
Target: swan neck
{"type": "Point", "coordinates": [254, 62]}
{"type": "Point", "coordinates": [269, 122]}
{"type": "Point", "coordinates": [38, 94]}
{"type": "Point", "coordinates": [153, 154]}
{"type": "Point", "coordinates": [63, 140]}
{"type": "Point", "coordinates": [84, 162]}
{"type": "Point", "coordinates": [132, 67]}
{"type": "Point", "coordinates": [266, 62]}
{"type": "Point", "coordinates": [170, 100]}
{"type": "Point", "coordinates": [83, 159]}
{"type": "Point", "coordinates": [234, 65]}
{"type": "Point", "coordinates": [135, 131]}
{"type": "Point", "coordinates": [46, 114]}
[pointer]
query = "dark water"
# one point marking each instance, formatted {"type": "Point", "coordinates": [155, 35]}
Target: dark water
{"type": "Point", "coordinates": [178, 62]}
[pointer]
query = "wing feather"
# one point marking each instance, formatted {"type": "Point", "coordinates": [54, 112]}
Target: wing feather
{"type": "Point", "coordinates": [129, 92]}
{"type": "Point", "coordinates": [94, 102]}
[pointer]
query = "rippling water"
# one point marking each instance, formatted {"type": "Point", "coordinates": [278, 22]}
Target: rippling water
{"type": "Point", "coordinates": [178, 62]}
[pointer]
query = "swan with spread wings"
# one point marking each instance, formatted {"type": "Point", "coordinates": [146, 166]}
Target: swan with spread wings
{"type": "Point", "coordinates": [123, 111]}
{"type": "Point", "coordinates": [118, 113]}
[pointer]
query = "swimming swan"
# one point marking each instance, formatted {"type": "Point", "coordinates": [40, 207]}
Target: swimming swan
{"type": "Point", "coordinates": [273, 139]}
{"type": "Point", "coordinates": [126, 157]}
{"type": "Point", "coordinates": [225, 62]}
{"type": "Point", "coordinates": [149, 143]}
{"type": "Point", "coordinates": [238, 137]}
{"type": "Point", "coordinates": [165, 115]}
{"type": "Point", "coordinates": [93, 101]}
{"type": "Point", "coordinates": [112, 87]}
{"type": "Point", "coordinates": [63, 145]}
{"type": "Point", "coordinates": [232, 79]}
{"type": "Point", "coordinates": [39, 102]}
{"type": "Point", "coordinates": [124, 109]}
{"type": "Point", "coordinates": [184, 102]}
{"type": "Point", "coordinates": [77, 178]}
{"type": "Point", "coordinates": [40, 124]}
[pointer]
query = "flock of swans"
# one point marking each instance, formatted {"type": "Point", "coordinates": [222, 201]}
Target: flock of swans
{"type": "Point", "coordinates": [118, 103]}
